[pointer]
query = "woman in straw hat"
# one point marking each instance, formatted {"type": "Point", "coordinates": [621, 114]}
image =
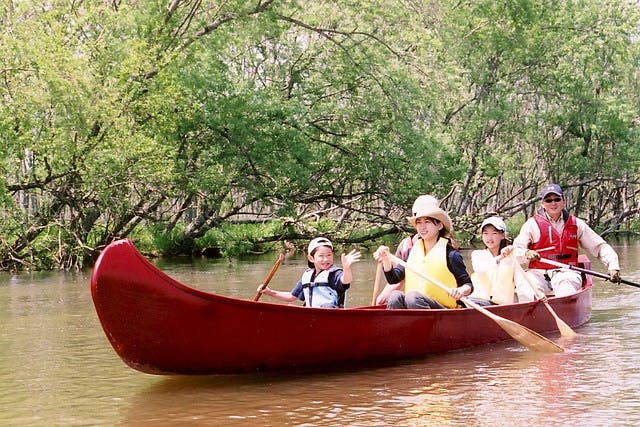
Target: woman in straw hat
{"type": "Point", "coordinates": [431, 252]}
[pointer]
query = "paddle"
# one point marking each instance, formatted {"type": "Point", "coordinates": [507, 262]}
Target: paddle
{"type": "Point", "coordinates": [269, 276]}
{"type": "Point", "coordinates": [377, 283]}
{"type": "Point", "coordinates": [564, 329]}
{"type": "Point", "coordinates": [584, 270]}
{"type": "Point", "coordinates": [525, 336]}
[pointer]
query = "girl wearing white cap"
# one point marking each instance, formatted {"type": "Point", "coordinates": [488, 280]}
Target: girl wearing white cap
{"type": "Point", "coordinates": [323, 284]}
{"type": "Point", "coordinates": [431, 252]}
{"type": "Point", "coordinates": [493, 268]}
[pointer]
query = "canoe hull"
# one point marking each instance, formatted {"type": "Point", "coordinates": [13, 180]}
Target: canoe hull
{"type": "Point", "coordinates": [158, 325]}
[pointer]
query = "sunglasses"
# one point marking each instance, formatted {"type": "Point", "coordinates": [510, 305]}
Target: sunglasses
{"type": "Point", "coordinates": [555, 199]}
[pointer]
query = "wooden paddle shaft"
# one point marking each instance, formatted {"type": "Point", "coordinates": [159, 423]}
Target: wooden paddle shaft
{"type": "Point", "coordinates": [377, 283]}
{"type": "Point", "coordinates": [269, 276]}
{"type": "Point", "coordinates": [584, 270]}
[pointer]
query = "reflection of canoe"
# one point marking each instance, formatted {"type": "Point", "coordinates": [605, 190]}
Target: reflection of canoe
{"type": "Point", "coordinates": [158, 325]}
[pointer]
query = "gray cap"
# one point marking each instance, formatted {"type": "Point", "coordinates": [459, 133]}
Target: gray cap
{"type": "Point", "coordinates": [551, 189]}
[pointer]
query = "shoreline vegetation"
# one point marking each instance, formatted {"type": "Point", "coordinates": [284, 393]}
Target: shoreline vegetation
{"type": "Point", "coordinates": [243, 239]}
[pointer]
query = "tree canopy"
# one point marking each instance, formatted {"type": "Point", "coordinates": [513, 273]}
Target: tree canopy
{"type": "Point", "coordinates": [171, 120]}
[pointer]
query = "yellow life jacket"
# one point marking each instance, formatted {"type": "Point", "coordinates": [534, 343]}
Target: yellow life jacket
{"type": "Point", "coordinates": [496, 285]}
{"type": "Point", "coordinates": [434, 265]}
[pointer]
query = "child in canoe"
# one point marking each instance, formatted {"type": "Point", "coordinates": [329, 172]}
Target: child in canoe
{"type": "Point", "coordinates": [323, 284]}
{"type": "Point", "coordinates": [493, 268]}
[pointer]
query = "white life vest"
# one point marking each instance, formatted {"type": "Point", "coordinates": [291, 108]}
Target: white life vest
{"type": "Point", "coordinates": [318, 293]}
{"type": "Point", "coordinates": [496, 284]}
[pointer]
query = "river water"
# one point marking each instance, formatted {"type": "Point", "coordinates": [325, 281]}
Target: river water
{"type": "Point", "coordinates": [58, 369]}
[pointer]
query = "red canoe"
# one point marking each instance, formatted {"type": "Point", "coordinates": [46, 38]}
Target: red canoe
{"type": "Point", "coordinates": [160, 326]}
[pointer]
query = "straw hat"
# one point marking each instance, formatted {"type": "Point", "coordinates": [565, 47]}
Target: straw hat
{"type": "Point", "coordinates": [428, 206]}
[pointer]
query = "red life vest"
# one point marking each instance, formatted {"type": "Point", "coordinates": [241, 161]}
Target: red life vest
{"type": "Point", "coordinates": [562, 248]}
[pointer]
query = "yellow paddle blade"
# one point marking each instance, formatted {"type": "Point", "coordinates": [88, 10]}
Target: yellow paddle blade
{"type": "Point", "coordinates": [564, 329]}
{"type": "Point", "coordinates": [530, 339]}
{"type": "Point", "coordinates": [525, 336]}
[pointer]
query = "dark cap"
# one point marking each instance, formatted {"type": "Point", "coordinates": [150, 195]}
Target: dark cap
{"type": "Point", "coordinates": [551, 189]}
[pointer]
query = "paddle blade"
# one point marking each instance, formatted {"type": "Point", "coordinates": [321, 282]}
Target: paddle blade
{"type": "Point", "coordinates": [565, 330]}
{"type": "Point", "coordinates": [530, 339]}
{"type": "Point", "coordinates": [525, 336]}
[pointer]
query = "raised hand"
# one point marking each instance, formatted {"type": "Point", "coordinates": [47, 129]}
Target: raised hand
{"type": "Point", "coordinates": [350, 258]}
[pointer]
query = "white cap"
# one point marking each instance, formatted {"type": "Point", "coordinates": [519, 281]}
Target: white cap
{"type": "Point", "coordinates": [318, 241]}
{"type": "Point", "coordinates": [497, 222]}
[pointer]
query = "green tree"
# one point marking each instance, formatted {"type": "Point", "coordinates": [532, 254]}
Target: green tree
{"type": "Point", "coordinates": [168, 121]}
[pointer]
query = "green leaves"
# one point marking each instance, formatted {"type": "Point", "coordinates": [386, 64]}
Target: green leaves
{"type": "Point", "coordinates": [182, 117]}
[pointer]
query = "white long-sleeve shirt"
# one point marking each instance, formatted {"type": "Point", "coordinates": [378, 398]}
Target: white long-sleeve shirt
{"type": "Point", "coordinates": [588, 239]}
{"type": "Point", "coordinates": [482, 261]}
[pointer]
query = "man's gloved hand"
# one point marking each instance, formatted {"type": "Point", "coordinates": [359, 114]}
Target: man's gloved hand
{"type": "Point", "coordinates": [531, 254]}
{"type": "Point", "coordinates": [615, 276]}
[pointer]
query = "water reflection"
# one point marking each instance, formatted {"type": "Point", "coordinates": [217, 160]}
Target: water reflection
{"type": "Point", "coordinates": [501, 385]}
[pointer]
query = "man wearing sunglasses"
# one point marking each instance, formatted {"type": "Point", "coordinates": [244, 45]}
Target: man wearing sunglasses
{"type": "Point", "coordinates": [553, 233]}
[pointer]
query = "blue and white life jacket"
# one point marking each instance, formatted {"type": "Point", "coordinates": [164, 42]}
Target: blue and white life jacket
{"type": "Point", "coordinates": [317, 291]}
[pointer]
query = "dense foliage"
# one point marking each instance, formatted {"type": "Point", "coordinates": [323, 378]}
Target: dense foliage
{"type": "Point", "coordinates": [170, 122]}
